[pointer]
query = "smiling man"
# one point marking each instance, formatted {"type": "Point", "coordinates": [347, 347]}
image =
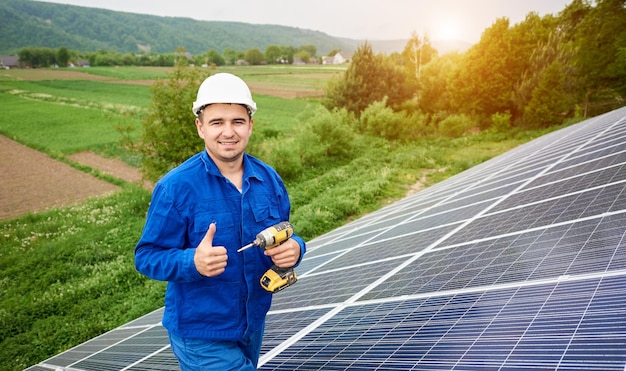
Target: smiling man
{"type": "Point", "coordinates": [200, 214]}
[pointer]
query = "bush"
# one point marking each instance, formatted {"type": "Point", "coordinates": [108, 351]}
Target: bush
{"type": "Point", "coordinates": [501, 122]}
{"type": "Point", "coordinates": [326, 135]}
{"type": "Point", "coordinates": [380, 120]}
{"type": "Point", "coordinates": [324, 139]}
{"type": "Point", "coordinates": [283, 156]}
{"type": "Point", "coordinates": [455, 126]}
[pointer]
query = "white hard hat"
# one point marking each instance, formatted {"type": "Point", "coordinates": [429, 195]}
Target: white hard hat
{"type": "Point", "coordinates": [223, 88]}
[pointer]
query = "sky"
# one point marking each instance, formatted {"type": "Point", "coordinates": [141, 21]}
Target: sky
{"type": "Point", "coordinates": [355, 19]}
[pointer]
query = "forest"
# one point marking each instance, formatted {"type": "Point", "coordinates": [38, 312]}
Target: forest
{"type": "Point", "coordinates": [533, 74]}
{"type": "Point", "coordinates": [27, 23]}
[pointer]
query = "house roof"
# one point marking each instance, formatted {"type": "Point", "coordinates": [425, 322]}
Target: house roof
{"type": "Point", "coordinates": [9, 60]}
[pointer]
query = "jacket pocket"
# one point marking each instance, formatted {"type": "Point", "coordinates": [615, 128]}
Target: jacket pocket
{"type": "Point", "coordinates": [225, 232]}
{"type": "Point", "coordinates": [264, 209]}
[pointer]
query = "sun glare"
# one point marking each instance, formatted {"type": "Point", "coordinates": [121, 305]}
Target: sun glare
{"type": "Point", "coordinates": [448, 29]}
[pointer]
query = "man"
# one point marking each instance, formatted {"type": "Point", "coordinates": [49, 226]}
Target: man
{"type": "Point", "coordinates": [201, 213]}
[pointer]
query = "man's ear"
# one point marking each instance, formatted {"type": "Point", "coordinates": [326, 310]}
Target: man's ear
{"type": "Point", "coordinates": [199, 127]}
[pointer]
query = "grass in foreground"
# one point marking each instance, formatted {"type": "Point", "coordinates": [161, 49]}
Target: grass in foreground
{"type": "Point", "coordinates": [67, 275]}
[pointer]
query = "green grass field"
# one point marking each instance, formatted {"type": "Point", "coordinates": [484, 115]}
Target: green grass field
{"type": "Point", "coordinates": [67, 275]}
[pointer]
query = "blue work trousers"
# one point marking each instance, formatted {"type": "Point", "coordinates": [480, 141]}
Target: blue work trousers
{"type": "Point", "coordinates": [201, 354]}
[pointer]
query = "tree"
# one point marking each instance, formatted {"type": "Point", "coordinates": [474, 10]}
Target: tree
{"type": "Point", "coordinates": [601, 41]}
{"type": "Point", "coordinates": [169, 135]}
{"type": "Point", "coordinates": [549, 103]}
{"type": "Point", "coordinates": [214, 58]}
{"type": "Point", "coordinates": [303, 55]}
{"type": "Point", "coordinates": [129, 59]}
{"type": "Point", "coordinates": [484, 82]}
{"type": "Point", "coordinates": [273, 54]}
{"type": "Point", "coordinates": [287, 53]}
{"type": "Point", "coordinates": [230, 56]}
{"type": "Point", "coordinates": [369, 78]}
{"type": "Point", "coordinates": [254, 56]}
{"type": "Point", "coordinates": [417, 53]}
{"type": "Point", "coordinates": [570, 17]}
{"type": "Point", "coordinates": [62, 56]}
{"type": "Point", "coordinates": [549, 58]}
{"type": "Point", "coordinates": [436, 79]}
{"type": "Point", "coordinates": [311, 49]}
{"type": "Point", "coordinates": [37, 57]}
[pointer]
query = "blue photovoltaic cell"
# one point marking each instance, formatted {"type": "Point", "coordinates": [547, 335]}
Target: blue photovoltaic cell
{"type": "Point", "coordinates": [331, 288]}
{"type": "Point", "coordinates": [516, 264]}
{"type": "Point", "coordinates": [93, 346]}
{"type": "Point", "coordinates": [280, 326]}
{"type": "Point", "coordinates": [129, 351]}
{"type": "Point", "coordinates": [579, 248]}
{"type": "Point", "coordinates": [546, 327]}
{"type": "Point", "coordinates": [384, 249]}
{"type": "Point", "coordinates": [546, 213]}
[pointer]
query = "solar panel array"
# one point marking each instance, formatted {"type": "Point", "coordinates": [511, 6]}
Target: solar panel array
{"type": "Point", "coordinates": [518, 263]}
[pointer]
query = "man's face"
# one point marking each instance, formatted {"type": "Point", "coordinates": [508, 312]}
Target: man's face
{"type": "Point", "coordinates": [225, 129]}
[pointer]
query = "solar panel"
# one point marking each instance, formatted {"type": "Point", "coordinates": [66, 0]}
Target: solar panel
{"type": "Point", "coordinates": [518, 263]}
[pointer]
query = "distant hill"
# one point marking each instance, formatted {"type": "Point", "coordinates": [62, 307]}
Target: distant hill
{"type": "Point", "coordinates": [39, 24]}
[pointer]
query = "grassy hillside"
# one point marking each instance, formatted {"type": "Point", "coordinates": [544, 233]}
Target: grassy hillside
{"type": "Point", "coordinates": [67, 275]}
{"type": "Point", "coordinates": [27, 23]}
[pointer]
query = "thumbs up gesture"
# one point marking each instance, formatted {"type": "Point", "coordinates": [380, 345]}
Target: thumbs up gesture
{"type": "Point", "coordinates": [210, 260]}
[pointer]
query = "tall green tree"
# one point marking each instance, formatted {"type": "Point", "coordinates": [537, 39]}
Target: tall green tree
{"type": "Point", "coordinates": [273, 54]}
{"type": "Point", "coordinates": [230, 56]}
{"type": "Point", "coordinates": [169, 135]}
{"type": "Point", "coordinates": [37, 57]}
{"type": "Point", "coordinates": [601, 42]}
{"type": "Point", "coordinates": [62, 56]}
{"type": "Point", "coordinates": [287, 53]}
{"type": "Point", "coordinates": [435, 84]}
{"type": "Point", "coordinates": [417, 53]}
{"type": "Point", "coordinates": [215, 58]}
{"type": "Point", "coordinates": [483, 84]}
{"type": "Point", "coordinates": [369, 78]}
{"type": "Point", "coordinates": [549, 60]}
{"type": "Point", "coordinates": [311, 49]}
{"type": "Point", "coordinates": [254, 56]}
{"type": "Point", "coordinates": [570, 17]}
{"type": "Point", "coordinates": [549, 102]}
{"type": "Point", "coordinates": [303, 55]}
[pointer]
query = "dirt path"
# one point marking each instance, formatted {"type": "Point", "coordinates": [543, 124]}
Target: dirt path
{"type": "Point", "coordinates": [116, 168]}
{"type": "Point", "coordinates": [31, 181]}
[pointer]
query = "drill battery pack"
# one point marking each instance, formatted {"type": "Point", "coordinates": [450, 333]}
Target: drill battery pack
{"type": "Point", "coordinates": [277, 279]}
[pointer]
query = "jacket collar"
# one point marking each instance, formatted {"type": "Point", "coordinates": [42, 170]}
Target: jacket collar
{"type": "Point", "coordinates": [248, 170]}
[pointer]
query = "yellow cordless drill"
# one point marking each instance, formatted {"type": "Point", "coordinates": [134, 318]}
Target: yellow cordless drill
{"type": "Point", "coordinates": [276, 278]}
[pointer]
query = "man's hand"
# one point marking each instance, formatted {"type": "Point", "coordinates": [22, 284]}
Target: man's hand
{"type": "Point", "coordinates": [210, 260]}
{"type": "Point", "coordinates": [285, 255]}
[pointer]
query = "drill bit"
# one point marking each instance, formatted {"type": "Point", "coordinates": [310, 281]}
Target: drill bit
{"type": "Point", "coordinates": [246, 247]}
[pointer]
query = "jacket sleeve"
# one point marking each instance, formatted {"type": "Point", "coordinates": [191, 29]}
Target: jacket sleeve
{"type": "Point", "coordinates": [160, 253]}
{"type": "Point", "coordinates": [302, 247]}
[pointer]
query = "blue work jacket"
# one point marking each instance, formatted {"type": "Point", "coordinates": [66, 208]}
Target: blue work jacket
{"type": "Point", "coordinates": [184, 203]}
